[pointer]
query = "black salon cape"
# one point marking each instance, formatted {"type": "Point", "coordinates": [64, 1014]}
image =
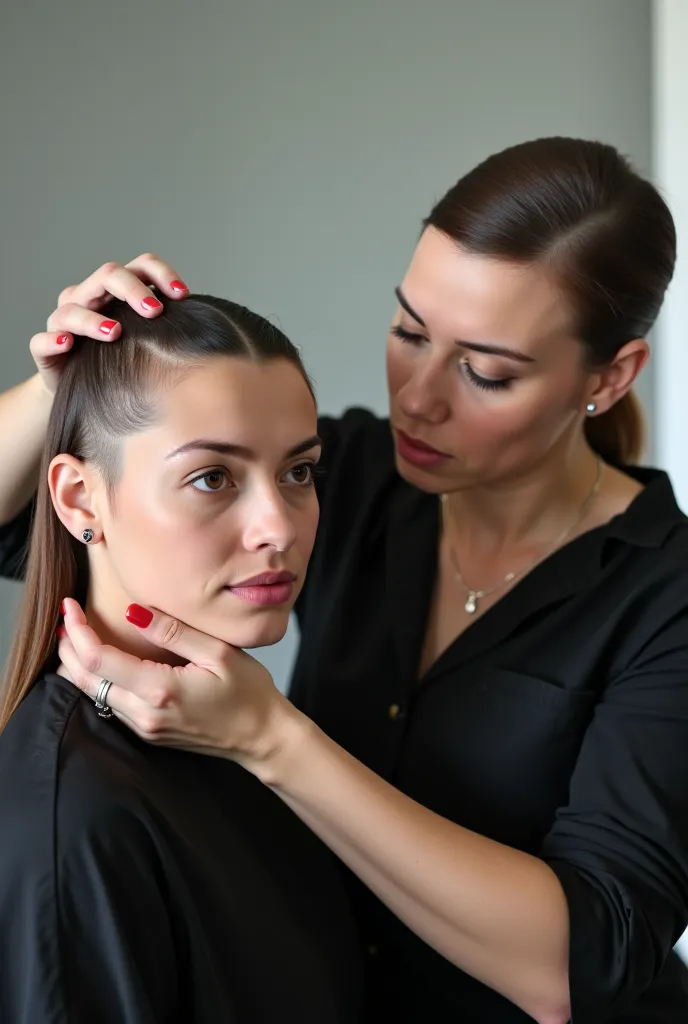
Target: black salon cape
{"type": "Point", "coordinates": [148, 886]}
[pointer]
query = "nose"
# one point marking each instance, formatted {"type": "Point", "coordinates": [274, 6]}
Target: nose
{"type": "Point", "coordinates": [269, 522]}
{"type": "Point", "coordinates": [423, 396]}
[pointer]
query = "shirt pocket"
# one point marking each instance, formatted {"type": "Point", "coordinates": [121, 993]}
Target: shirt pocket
{"type": "Point", "coordinates": [495, 751]}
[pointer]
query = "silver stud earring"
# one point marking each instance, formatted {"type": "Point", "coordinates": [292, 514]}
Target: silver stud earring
{"type": "Point", "coordinates": [591, 408]}
{"type": "Point", "coordinates": [87, 536]}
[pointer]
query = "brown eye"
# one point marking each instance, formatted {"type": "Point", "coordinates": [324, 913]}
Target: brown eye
{"type": "Point", "coordinates": [215, 480]}
{"type": "Point", "coordinates": [302, 474]}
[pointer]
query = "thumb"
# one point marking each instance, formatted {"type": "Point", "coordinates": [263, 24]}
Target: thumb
{"type": "Point", "coordinates": [73, 609]}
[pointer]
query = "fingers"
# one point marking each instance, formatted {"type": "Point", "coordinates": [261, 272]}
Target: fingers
{"type": "Point", "coordinates": [78, 307]}
{"type": "Point", "coordinates": [128, 283]}
{"type": "Point", "coordinates": [74, 319]}
{"type": "Point", "coordinates": [202, 650]}
{"type": "Point", "coordinates": [97, 661]}
{"type": "Point", "coordinates": [145, 692]}
{"type": "Point", "coordinates": [47, 345]}
{"type": "Point", "coordinates": [130, 709]}
{"type": "Point", "coordinates": [151, 269]}
{"type": "Point", "coordinates": [89, 683]}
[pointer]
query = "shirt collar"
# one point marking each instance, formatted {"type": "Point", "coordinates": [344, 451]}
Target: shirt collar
{"type": "Point", "coordinates": [652, 516]}
{"type": "Point", "coordinates": [412, 557]}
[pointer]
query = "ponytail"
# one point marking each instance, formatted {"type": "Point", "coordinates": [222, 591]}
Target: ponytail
{"type": "Point", "coordinates": [618, 435]}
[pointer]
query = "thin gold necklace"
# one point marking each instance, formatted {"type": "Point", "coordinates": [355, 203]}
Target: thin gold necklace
{"type": "Point", "coordinates": [473, 596]}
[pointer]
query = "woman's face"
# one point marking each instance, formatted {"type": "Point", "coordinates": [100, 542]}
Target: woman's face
{"type": "Point", "coordinates": [482, 368]}
{"type": "Point", "coordinates": [214, 514]}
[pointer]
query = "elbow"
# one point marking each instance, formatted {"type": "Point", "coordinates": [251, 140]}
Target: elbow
{"type": "Point", "coordinates": [556, 1009]}
{"type": "Point", "coordinates": [555, 1015]}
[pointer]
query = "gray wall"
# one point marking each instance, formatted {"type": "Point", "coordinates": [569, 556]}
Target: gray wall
{"type": "Point", "coordinates": [282, 152]}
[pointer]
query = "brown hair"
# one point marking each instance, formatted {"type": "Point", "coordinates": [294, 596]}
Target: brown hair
{"type": "Point", "coordinates": [106, 393]}
{"type": "Point", "coordinates": [579, 209]}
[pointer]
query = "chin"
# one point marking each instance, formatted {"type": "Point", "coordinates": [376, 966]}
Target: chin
{"type": "Point", "coordinates": [262, 631]}
{"type": "Point", "coordinates": [427, 480]}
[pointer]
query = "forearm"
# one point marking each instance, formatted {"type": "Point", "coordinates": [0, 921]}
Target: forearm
{"type": "Point", "coordinates": [498, 914]}
{"type": "Point", "coordinates": [24, 414]}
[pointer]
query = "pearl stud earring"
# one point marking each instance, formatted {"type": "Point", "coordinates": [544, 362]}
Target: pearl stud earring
{"type": "Point", "coordinates": [591, 408]}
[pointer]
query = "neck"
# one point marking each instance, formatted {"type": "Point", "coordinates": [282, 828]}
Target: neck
{"type": "Point", "coordinates": [106, 606]}
{"type": "Point", "coordinates": [526, 510]}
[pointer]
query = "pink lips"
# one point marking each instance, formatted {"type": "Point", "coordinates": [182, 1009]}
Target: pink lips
{"type": "Point", "coordinates": [268, 588]}
{"type": "Point", "coordinates": [417, 453]}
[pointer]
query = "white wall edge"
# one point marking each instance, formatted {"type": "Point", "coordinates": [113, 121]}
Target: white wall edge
{"type": "Point", "coordinates": [670, 148]}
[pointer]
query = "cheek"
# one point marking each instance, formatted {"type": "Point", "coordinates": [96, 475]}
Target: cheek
{"type": "Point", "coordinates": [304, 516]}
{"type": "Point", "coordinates": [398, 369]}
{"type": "Point", "coordinates": [532, 416]}
{"type": "Point", "coordinates": [166, 549]}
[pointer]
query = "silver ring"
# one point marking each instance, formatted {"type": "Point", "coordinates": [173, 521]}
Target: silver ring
{"type": "Point", "coordinates": [101, 700]}
{"type": "Point", "coordinates": [103, 691]}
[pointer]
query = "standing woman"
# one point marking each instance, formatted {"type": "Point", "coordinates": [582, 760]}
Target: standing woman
{"type": "Point", "coordinates": [489, 717]}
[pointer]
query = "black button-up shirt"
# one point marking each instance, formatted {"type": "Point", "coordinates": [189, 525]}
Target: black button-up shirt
{"type": "Point", "coordinates": [556, 724]}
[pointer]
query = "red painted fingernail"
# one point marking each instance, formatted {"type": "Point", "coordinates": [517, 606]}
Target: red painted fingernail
{"type": "Point", "coordinates": [63, 339]}
{"type": "Point", "coordinates": [107, 326]}
{"type": "Point", "coordinates": [151, 303]}
{"type": "Point", "coordinates": [178, 286]}
{"type": "Point", "coordinates": [139, 616]}
{"type": "Point", "coordinates": [61, 632]}
{"type": "Point", "coordinates": [63, 608]}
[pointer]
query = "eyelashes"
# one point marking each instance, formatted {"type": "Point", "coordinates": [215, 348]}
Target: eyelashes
{"type": "Point", "coordinates": [204, 482]}
{"type": "Point", "coordinates": [206, 477]}
{"type": "Point", "coordinates": [484, 383]}
{"type": "Point", "coordinates": [310, 467]}
{"type": "Point", "coordinates": [399, 331]}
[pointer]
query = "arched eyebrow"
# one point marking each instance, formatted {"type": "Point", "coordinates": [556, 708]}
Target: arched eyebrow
{"type": "Point", "coordinates": [472, 346]}
{"type": "Point", "coordinates": [240, 451]}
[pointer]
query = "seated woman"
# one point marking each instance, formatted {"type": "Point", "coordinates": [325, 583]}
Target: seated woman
{"type": "Point", "coordinates": [178, 472]}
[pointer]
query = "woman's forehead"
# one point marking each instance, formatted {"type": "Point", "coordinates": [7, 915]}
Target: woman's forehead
{"type": "Point", "coordinates": [262, 406]}
{"type": "Point", "coordinates": [480, 298]}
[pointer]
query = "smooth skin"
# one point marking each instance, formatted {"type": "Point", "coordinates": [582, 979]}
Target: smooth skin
{"type": "Point", "coordinates": [217, 490]}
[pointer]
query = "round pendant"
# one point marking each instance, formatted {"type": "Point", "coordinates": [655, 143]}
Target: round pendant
{"type": "Point", "coordinates": [471, 604]}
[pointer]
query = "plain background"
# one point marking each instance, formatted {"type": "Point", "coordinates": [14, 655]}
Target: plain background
{"type": "Point", "coordinates": [282, 154]}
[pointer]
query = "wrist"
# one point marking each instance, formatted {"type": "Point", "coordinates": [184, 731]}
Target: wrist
{"type": "Point", "coordinates": [40, 391]}
{"type": "Point", "coordinates": [281, 745]}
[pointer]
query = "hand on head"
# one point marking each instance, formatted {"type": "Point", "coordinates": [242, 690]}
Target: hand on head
{"type": "Point", "coordinates": [78, 306]}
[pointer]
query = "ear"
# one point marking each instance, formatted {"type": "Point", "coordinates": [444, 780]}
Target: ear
{"type": "Point", "coordinates": [75, 491]}
{"type": "Point", "coordinates": [615, 379]}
